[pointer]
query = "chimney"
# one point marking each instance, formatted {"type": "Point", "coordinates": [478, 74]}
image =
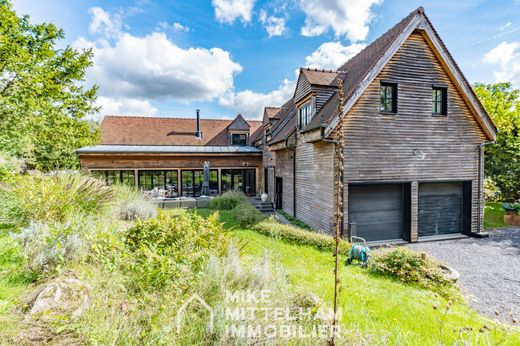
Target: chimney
{"type": "Point", "coordinates": [198, 134]}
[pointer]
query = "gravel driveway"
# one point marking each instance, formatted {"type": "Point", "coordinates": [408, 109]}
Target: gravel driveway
{"type": "Point", "coordinates": [489, 270]}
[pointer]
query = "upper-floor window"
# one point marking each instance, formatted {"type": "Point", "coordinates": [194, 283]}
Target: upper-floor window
{"type": "Point", "coordinates": [305, 114]}
{"type": "Point", "coordinates": [239, 139]}
{"type": "Point", "coordinates": [388, 94]}
{"type": "Point", "coordinates": [439, 100]}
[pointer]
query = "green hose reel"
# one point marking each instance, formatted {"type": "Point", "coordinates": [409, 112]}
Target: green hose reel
{"type": "Point", "coordinates": [359, 252]}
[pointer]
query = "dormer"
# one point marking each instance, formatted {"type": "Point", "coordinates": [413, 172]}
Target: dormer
{"type": "Point", "coordinates": [313, 89]}
{"type": "Point", "coordinates": [239, 131]}
{"type": "Point", "coordinates": [269, 120]}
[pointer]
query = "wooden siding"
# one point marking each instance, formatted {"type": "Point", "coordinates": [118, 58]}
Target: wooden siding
{"type": "Point", "coordinates": [303, 88]}
{"type": "Point", "coordinates": [323, 94]}
{"type": "Point", "coordinates": [167, 161]}
{"type": "Point", "coordinates": [412, 145]}
{"type": "Point", "coordinates": [284, 170]}
{"type": "Point", "coordinates": [315, 184]}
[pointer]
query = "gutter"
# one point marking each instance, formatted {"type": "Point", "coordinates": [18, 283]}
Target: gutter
{"type": "Point", "coordinates": [323, 139]}
{"type": "Point", "coordinates": [480, 183]}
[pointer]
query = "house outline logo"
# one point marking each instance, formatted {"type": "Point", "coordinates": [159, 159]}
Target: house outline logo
{"type": "Point", "coordinates": [202, 302]}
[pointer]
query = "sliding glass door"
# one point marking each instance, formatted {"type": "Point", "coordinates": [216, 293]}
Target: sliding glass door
{"type": "Point", "coordinates": [164, 183]}
{"type": "Point", "coordinates": [239, 180]}
{"type": "Point", "coordinates": [193, 182]}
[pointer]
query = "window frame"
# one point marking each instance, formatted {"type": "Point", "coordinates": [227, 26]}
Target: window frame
{"type": "Point", "coordinates": [245, 140]}
{"type": "Point", "coordinates": [394, 86]}
{"type": "Point", "coordinates": [307, 107]}
{"type": "Point", "coordinates": [443, 101]}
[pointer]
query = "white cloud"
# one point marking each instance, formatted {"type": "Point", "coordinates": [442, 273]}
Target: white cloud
{"type": "Point", "coordinates": [331, 55]}
{"type": "Point", "coordinates": [505, 26]}
{"type": "Point", "coordinates": [275, 26]}
{"type": "Point", "coordinates": [104, 23]}
{"type": "Point", "coordinates": [132, 71]}
{"type": "Point", "coordinates": [175, 26]}
{"type": "Point", "coordinates": [227, 11]}
{"type": "Point", "coordinates": [124, 105]}
{"type": "Point", "coordinates": [349, 18]}
{"type": "Point", "coordinates": [507, 56]}
{"type": "Point", "coordinates": [251, 104]}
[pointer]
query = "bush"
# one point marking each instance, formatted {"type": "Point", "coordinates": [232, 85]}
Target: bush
{"type": "Point", "coordinates": [46, 247]}
{"type": "Point", "coordinates": [228, 200]}
{"type": "Point", "coordinates": [10, 166]}
{"type": "Point", "coordinates": [133, 205]}
{"type": "Point", "coordinates": [321, 241]}
{"type": "Point", "coordinates": [170, 250]}
{"type": "Point", "coordinates": [246, 215]}
{"type": "Point", "coordinates": [408, 266]}
{"type": "Point", "coordinates": [491, 191]}
{"type": "Point", "coordinates": [52, 199]}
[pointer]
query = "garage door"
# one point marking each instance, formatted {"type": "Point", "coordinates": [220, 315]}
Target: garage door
{"type": "Point", "coordinates": [377, 210]}
{"type": "Point", "coordinates": [440, 208]}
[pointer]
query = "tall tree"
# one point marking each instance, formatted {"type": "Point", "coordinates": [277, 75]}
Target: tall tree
{"type": "Point", "coordinates": [43, 103]}
{"type": "Point", "coordinates": [502, 164]}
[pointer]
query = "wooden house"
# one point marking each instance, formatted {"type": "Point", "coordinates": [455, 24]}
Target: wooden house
{"type": "Point", "coordinates": [414, 136]}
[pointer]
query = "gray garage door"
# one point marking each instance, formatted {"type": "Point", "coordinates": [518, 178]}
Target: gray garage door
{"type": "Point", "coordinates": [377, 210]}
{"type": "Point", "coordinates": [440, 208]}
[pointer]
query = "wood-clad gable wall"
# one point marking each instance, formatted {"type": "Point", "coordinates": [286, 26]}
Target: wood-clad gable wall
{"type": "Point", "coordinates": [412, 145]}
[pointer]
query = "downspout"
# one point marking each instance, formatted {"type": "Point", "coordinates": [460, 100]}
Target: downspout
{"type": "Point", "coordinates": [480, 183]}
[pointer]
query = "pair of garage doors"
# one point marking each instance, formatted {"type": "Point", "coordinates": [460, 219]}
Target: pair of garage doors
{"type": "Point", "coordinates": [383, 211]}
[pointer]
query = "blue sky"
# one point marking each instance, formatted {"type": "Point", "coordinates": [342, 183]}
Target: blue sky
{"type": "Point", "coordinates": [167, 58]}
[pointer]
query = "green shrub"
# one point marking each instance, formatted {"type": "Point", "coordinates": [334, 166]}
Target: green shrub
{"type": "Point", "coordinates": [10, 166]}
{"type": "Point", "coordinates": [170, 250]}
{"type": "Point", "coordinates": [321, 241]}
{"type": "Point", "coordinates": [491, 191]}
{"type": "Point", "coordinates": [52, 199]}
{"type": "Point", "coordinates": [228, 200]}
{"type": "Point", "coordinates": [246, 215]}
{"type": "Point", "coordinates": [408, 266]}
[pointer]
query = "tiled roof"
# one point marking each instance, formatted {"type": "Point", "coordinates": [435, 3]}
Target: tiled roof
{"type": "Point", "coordinates": [166, 149]}
{"type": "Point", "coordinates": [135, 130]}
{"type": "Point", "coordinates": [320, 77]}
{"type": "Point", "coordinates": [287, 123]}
{"type": "Point", "coordinates": [239, 124]}
{"type": "Point", "coordinates": [271, 111]}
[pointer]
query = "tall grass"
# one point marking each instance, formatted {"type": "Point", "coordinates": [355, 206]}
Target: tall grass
{"type": "Point", "coordinates": [51, 199]}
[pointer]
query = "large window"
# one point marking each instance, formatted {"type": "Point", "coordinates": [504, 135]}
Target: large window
{"type": "Point", "coordinates": [193, 183]}
{"type": "Point", "coordinates": [239, 139]}
{"type": "Point", "coordinates": [439, 100]}
{"type": "Point", "coordinates": [111, 177]}
{"type": "Point", "coordinates": [162, 183]}
{"type": "Point", "coordinates": [305, 114]}
{"type": "Point", "coordinates": [239, 180]}
{"type": "Point", "coordinates": [388, 94]}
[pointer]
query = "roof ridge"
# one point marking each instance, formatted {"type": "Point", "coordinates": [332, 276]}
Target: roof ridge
{"type": "Point", "coordinates": [167, 117]}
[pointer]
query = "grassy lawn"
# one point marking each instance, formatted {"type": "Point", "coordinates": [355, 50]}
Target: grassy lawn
{"type": "Point", "coordinates": [13, 280]}
{"type": "Point", "coordinates": [493, 215]}
{"type": "Point", "coordinates": [376, 310]}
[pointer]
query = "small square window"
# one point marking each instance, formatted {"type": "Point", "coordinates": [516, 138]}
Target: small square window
{"type": "Point", "coordinates": [239, 139]}
{"type": "Point", "coordinates": [388, 94]}
{"type": "Point", "coordinates": [439, 101]}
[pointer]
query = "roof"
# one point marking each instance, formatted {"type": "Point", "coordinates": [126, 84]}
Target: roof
{"type": "Point", "coordinates": [167, 149]}
{"type": "Point", "coordinates": [271, 112]}
{"type": "Point", "coordinates": [255, 136]}
{"type": "Point", "coordinates": [239, 124]}
{"type": "Point", "coordinates": [137, 130]}
{"type": "Point", "coordinates": [359, 71]}
{"type": "Point", "coordinates": [320, 77]}
{"type": "Point", "coordinates": [287, 123]}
